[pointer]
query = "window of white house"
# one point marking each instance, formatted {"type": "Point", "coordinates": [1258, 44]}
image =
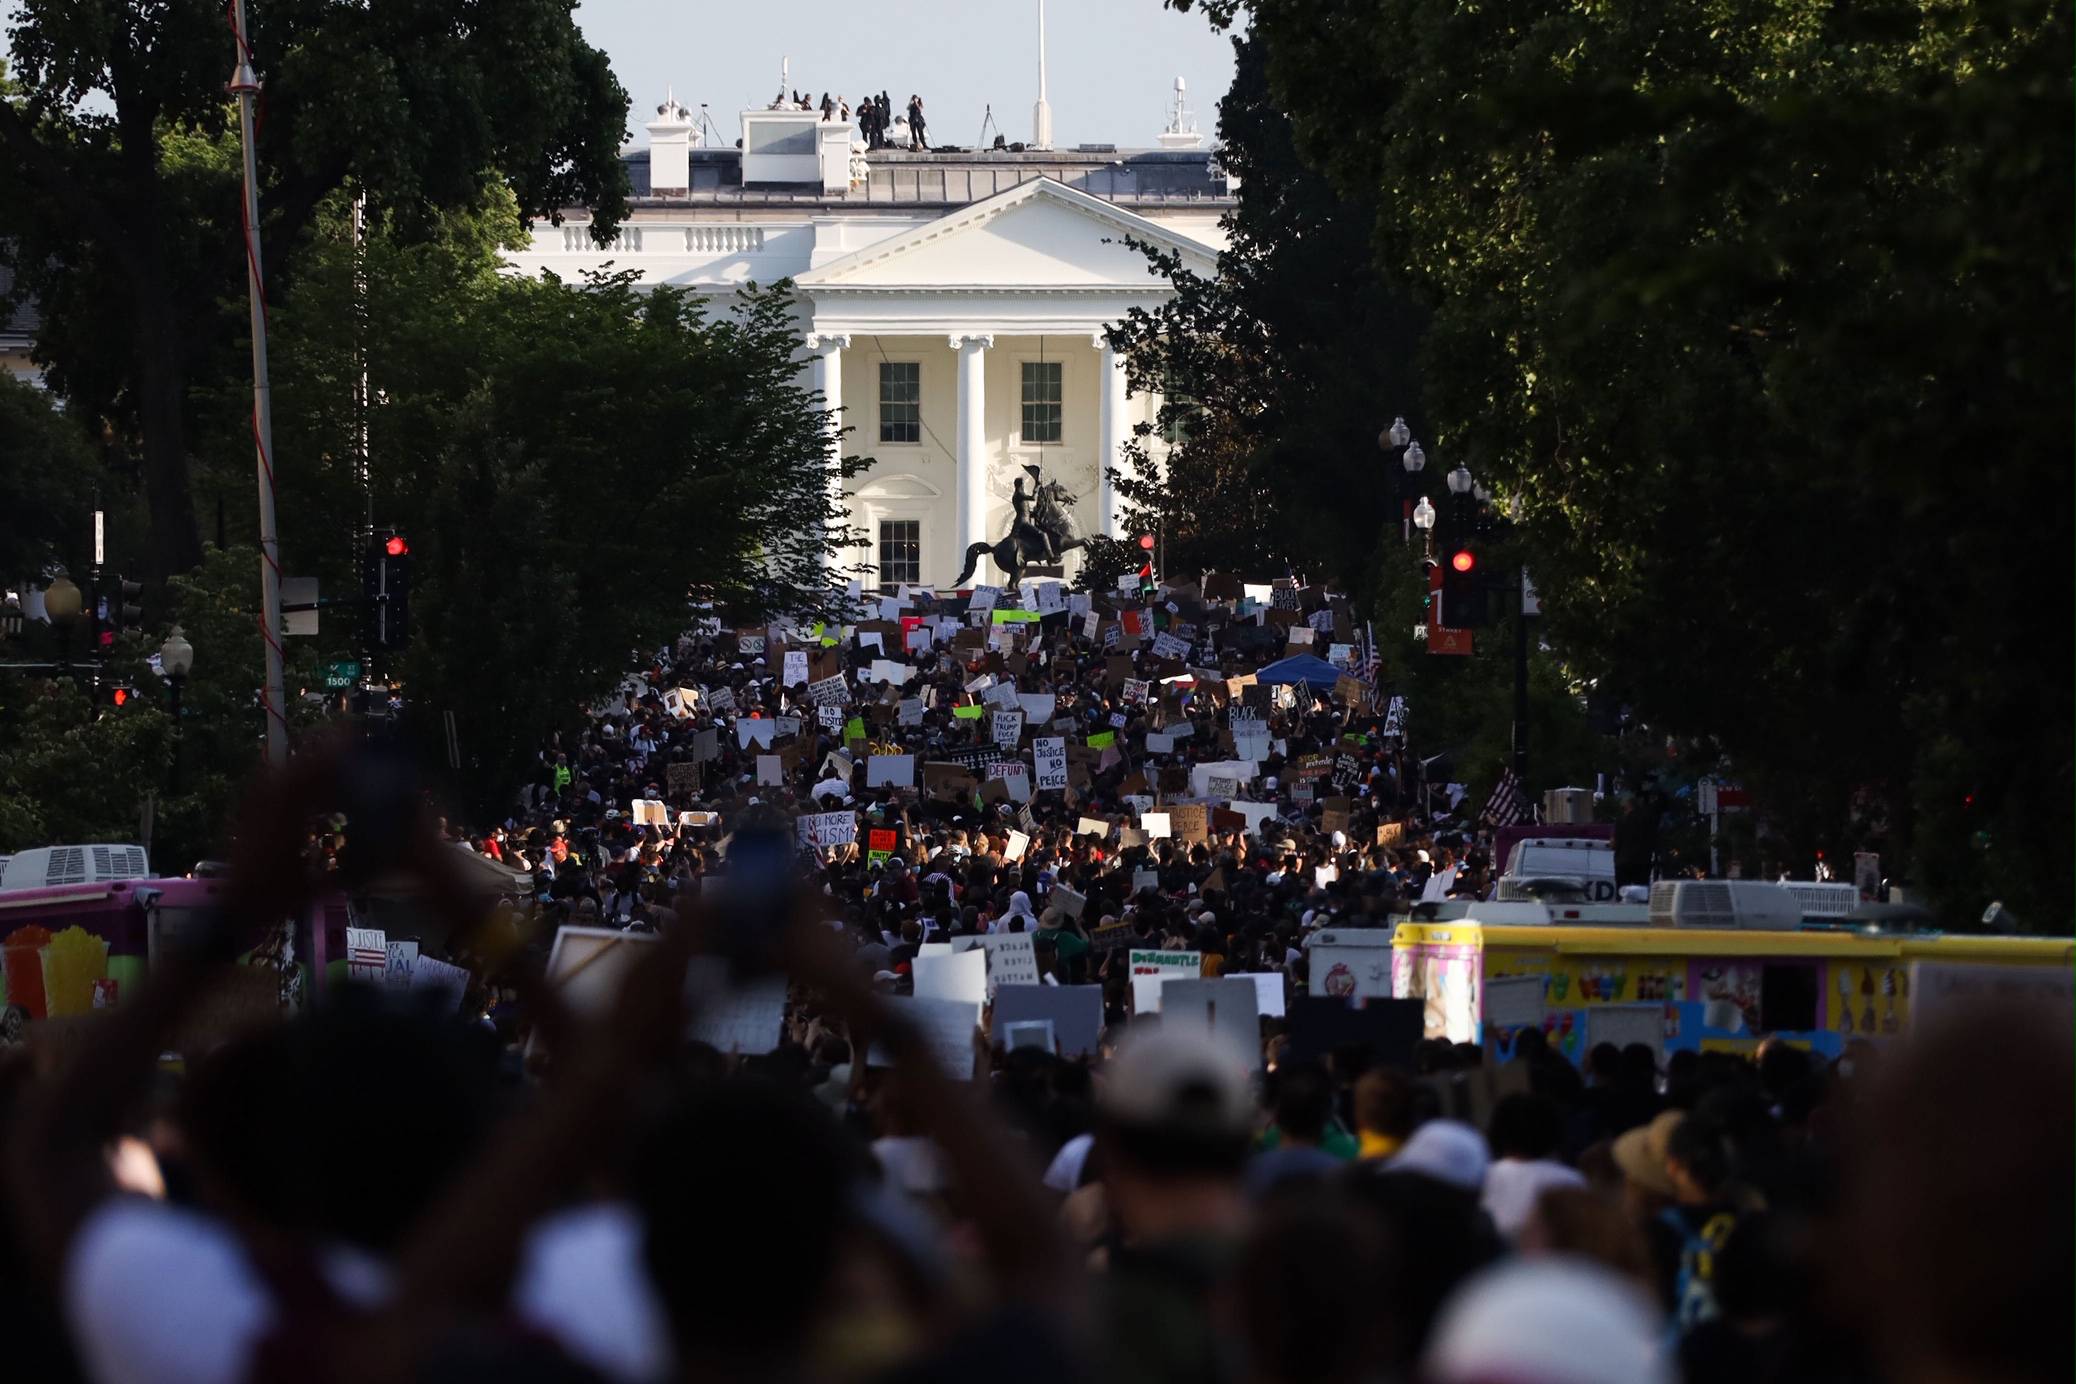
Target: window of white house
{"type": "Point", "coordinates": [900, 552]}
{"type": "Point", "coordinates": [900, 401]}
{"type": "Point", "coordinates": [1042, 393]}
{"type": "Point", "coordinates": [1179, 410]}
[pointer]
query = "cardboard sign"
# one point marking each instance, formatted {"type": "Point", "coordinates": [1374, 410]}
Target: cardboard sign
{"type": "Point", "coordinates": [682, 779]}
{"type": "Point", "coordinates": [755, 730]}
{"type": "Point", "coordinates": [879, 844]}
{"type": "Point", "coordinates": [886, 670]}
{"type": "Point", "coordinates": [1018, 844]}
{"type": "Point", "coordinates": [706, 745]}
{"type": "Point", "coordinates": [794, 666]}
{"type": "Point", "coordinates": [890, 771]}
{"type": "Point", "coordinates": [721, 700]}
{"type": "Point", "coordinates": [830, 691]}
{"type": "Point", "coordinates": [1049, 762]}
{"type": "Point", "coordinates": [1190, 821]}
{"type": "Point", "coordinates": [1015, 777]}
{"type": "Point", "coordinates": [679, 702]}
{"type": "Point", "coordinates": [1092, 826]}
{"type": "Point", "coordinates": [771, 771]}
{"type": "Point", "coordinates": [823, 829]}
{"type": "Point", "coordinates": [911, 712]}
{"type": "Point", "coordinates": [1390, 833]}
{"type": "Point", "coordinates": [1068, 901]}
{"type": "Point", "coordinates": [1156, 825]}
{"type": "Point", "coordinates": [1006, 728]}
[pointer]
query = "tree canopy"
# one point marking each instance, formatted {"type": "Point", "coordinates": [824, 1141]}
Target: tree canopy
{"type": "Point", "coordinates": [120, 208]}
{"type": "Point", "coordinates": [1762, 312]}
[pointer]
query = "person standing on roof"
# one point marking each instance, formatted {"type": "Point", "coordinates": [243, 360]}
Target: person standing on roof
{"type": "Point", "coordinates": [918, 128]}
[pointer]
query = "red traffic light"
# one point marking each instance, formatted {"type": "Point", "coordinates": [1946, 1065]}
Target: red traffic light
{"type": "Point", "coordinates": [1464, 560]}
{"type": "Point", "coordinates": [1146, 541]}
{"type": "Point", "coordinates": [396, 547]}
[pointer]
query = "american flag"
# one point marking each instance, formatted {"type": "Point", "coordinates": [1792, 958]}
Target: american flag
{"type": "Point", "coordinates": [1507, 805]}
{"type": "Point", "coordinates": [1372, 661]}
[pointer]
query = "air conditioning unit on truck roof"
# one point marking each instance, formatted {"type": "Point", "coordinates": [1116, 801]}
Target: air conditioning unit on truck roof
{"type": "Point", "coordinates": [1728, 904]}
{"type": "Point", "coordinates": [49, 867]}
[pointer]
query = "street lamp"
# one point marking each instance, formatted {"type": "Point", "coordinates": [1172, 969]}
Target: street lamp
{"type": "Point", "coordinates": [1460, 480]}
{"type": "Point", "coordinates": [1423, 520]}
{"type": "Point", "coordinates": [11, 618]}
{"type": "Point", "coordinates": [1397, 435]}
{"type": "Point", "coordinates": [62, 600]}
{"type": "Point", "coordinates": [1413, 460]}
{"type": "Point", "coordinates": [176, 659]}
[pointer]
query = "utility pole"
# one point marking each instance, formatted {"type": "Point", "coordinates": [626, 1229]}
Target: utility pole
{"type": "Point", "coordinates": [245, 86]}
{"type": "Point", "coordinates": [1529, 605]}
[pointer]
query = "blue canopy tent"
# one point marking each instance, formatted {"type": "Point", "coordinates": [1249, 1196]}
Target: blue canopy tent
{"type": "Point", "coordinates": [1304, 668]}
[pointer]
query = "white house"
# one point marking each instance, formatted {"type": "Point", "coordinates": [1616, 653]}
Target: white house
{"type": "Point", "coordinates": [953, 303]}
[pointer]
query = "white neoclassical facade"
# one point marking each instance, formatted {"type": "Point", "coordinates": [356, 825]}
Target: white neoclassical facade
{"type": "Point", "coordinates": [953, 304]}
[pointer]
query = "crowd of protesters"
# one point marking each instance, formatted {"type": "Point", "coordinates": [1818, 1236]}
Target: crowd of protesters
{"type": "Point", "coordinates": [534, 1191]}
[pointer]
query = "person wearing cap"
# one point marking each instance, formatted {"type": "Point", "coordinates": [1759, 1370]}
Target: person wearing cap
{"type": "Point", "coordinates": [1174, 1119]}
{"type": "Point", "coordinates": [1547, 1321]}
{"type": "Point", "coordinates": [1428, 1194]}
{"type": "Point", "coordinates": [1676, 1171]}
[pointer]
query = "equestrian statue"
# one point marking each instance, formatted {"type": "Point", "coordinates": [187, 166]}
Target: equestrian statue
{"type": "Point", "coordinates": [1039, 536]}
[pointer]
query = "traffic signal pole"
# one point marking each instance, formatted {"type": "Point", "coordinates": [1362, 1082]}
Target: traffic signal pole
{"type": "Point", "coordinates": [1521, 685]}
{"type": "Point", "coordinates": [245, 86]}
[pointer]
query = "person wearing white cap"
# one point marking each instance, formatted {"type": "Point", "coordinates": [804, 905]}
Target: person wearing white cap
{"type": "Point", "coordinates": [1547, 1321]}
{"type": "Point", "coordinates": [1449, 1151]}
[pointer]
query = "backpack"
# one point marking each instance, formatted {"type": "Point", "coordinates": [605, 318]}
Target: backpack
{"type": "Point", "coordinates": [1694, 1287]}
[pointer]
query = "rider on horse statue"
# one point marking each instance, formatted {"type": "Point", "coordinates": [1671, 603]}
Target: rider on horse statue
{"type": "Point", "coordinates": [1037, 539]}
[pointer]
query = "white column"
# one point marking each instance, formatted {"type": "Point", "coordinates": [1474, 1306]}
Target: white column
{"type": "Point", "coordinates": [1115, 430]}
{"type": "Point", "coordinates": [973, 441]}
{"type": "Point", "coordinates": [825, 376]}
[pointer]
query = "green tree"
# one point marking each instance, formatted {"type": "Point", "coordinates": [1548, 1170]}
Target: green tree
{"type": "Point", "coordinates": [1762, 313]}
{"type": "Point", "coordinates": [571, 464]}
{"type": "Point", "coordinates": [1277, 374]}
{"type": "Point", "coordinates": [120, 208]}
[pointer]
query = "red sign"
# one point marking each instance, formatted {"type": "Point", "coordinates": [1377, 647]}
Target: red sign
{"type": "Point", "coordinates": [1441, 640]}
{"type": "Point", "coordinates": [879, 840]}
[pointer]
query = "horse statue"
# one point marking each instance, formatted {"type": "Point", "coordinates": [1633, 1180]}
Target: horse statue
{"type": "Point", "coordinates": [1040, 534]}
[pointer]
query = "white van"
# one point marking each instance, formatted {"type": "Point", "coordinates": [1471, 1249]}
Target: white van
{"type": "Point", "coordinates": [1569, 869]}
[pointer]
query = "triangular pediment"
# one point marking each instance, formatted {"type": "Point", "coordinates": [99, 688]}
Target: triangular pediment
{"type": "Point", "coordinates": [1039, 234]}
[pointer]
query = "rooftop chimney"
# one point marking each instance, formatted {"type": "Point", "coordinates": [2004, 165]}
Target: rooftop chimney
{"type": "Point", "coordinates": [670, 145]}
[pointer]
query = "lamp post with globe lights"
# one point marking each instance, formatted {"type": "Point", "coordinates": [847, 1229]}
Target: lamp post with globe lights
{"type": "Point", "coordinates": [62, 602]}
{"type": "Point", "coordinates": [176, 661]}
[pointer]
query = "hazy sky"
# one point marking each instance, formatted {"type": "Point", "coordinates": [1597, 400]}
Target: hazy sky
{"type": "Point", "coordinates": [1110, 64]}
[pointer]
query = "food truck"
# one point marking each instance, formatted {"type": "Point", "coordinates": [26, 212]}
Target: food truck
{"type": "Point", "coordinates": [1723, 989]}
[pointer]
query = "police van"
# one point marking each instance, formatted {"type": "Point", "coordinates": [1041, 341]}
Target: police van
{"type": "Point", "coordinates": [1559, 869]}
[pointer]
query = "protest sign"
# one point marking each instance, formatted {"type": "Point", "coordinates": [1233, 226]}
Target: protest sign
{"type": "Point", "coordinates": [733, 1017]}
{"type": "Point", "coordinates": [679, 702]}
{"type": "Point", "coordinates": [911, 713]}
{"type": "Point", "coordinates": [771, 771]}
{"type": "Point", "coordinates": [1158, 743]}
{"type": "Point", "coordinates": [1075, 1011]}
{"type": "Point", "coordinates": [1091, 826]}
{"type": "Point", "coordinates": [1068, 901]}
{"type": "Point", "coordinates": [887, 670]}
{"type": "Point", "coordinates": [1012, 958]}
{"type": "Point", "coordinates": [1049, 762]}
{"type": "Point", "coordinates": [1150, 968]}
{"type": "Point", "coordinates": [367, 954]}
{"type": "Point", "coordinates": [831, 691]}
{"type": "Point", "coordinates": [946, 1027]}
{"type": "Point", "coordinates": [1156, 825]}
{"type": "Point", "coordinates": [706, 745]}
{"type": "Point", "coordinates": [822, 829]}
{"type": "Point", "coordinates": [958, 975]}
{"type": "Point", "coordinates": [446, 983]}
{"type": "Point", "coordinates": [890, 771]}
{"type": "Point", "coordinates": [1190, 821]}
{"type": "Point", "coordinates": [787, 725]}
{"type": "Point", "coordinates": [720, 700]}
{"type": "Point", "coordinates": [1006, 728]}
{"type": "Point", "coordinates": [879, 844]}
{"type": "Point", "coordinates": [1268, 992]}
{"type": "Point", "coordinates": [1019, 842]}
{"type": "Point", "coordinates": [757, 730]}
{"type": "Point", "coordinates": [1225, 789]}
{"type": "Point", "coordinates": [795, 666]}
{"type": "Point", "coordinates": [402, 957]}
{"type": "Point", "coordinates": [1226, 1006]}
{"type": "Point", "coordinates": [1015, 776]}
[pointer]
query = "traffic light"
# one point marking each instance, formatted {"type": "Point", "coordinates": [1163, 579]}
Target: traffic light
{"type": "Point", "coordinates": [386, 587]}
{"type": "Point", "coordinates": [1463, 591]}
{"type": "Point", "coordinates": [118, 696]}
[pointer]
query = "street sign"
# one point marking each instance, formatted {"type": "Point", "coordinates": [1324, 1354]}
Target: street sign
{"type": "Point", "coordinates": [341, 674]}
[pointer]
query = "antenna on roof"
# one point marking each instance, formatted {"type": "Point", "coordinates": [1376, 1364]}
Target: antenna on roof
{"type": "Point", "coordinates": [1041, 113]}
{"type": "Point", "coordinates": [1181, 131]}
